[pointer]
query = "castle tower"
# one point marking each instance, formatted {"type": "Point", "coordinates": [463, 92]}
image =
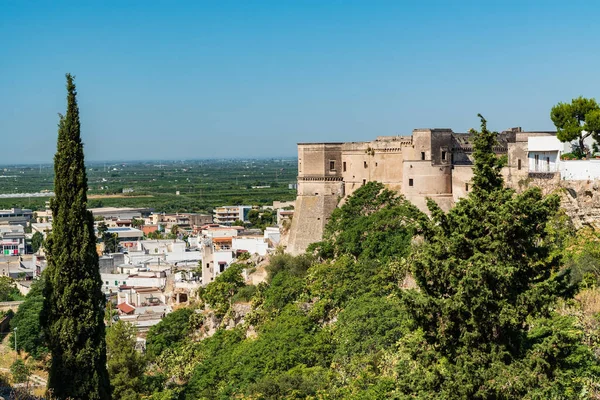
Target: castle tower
{"type": "Point", "coordinates": [320, 188]}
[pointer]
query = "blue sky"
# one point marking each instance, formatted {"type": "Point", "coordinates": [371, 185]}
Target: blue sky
{"type": "Point", "coordinates": [199, 79]}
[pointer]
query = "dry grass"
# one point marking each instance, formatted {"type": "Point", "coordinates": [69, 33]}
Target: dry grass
{"type": "Point", "coordinates": [589, 299]}
{"type": "Point", "coordinates": [7, 354]}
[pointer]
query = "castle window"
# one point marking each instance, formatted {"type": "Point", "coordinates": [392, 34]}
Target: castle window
{"type": "Point", "coordinates": [466, 187]}
{"type": "Point", "coordinates": [331, 165]}
{"type": "Point", "coordinates": [365, 164]}
{"type": "Point", "coordinates": [519, 164]}
{"type": "Point", "coordinates": [364, 182]}
{"type": "Point", "coordinates": [410, 182]}
{"type": "Point", "coordinates": [422, 155]}
{"type": "Point", "coordinates": [344, 166]}
{"type": "Point", "coordinates": [444, 155]}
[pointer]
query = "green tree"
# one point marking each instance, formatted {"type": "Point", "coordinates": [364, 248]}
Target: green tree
{"type": "Point", "coordinates": [36, 241]}
{"type": "Point", "coordinates": [8, 289]}
{"type": "Point", "coordinates": [27, 321]}
{"type": "Point", "coordinates": [254, 217]}
{"type": "Point", "coordinates": [20, 371]}
{"type": "Point", "coordinates": [102, 228]}
{"type": "Point", "coordinates": [137, 223]}
{"type": "Point", "coordinates": [155, 235]}
{"type": "Point", "coordinates": [125, 364]}
{"type": "Point", "coordinates": [218, 294]}
{"type": "Point", "coordinates": [171, 331]}
{"type": "Point", "coordinates": [111, 242]}
{"type": "Point", "coordinates": [373, 223]}
{"type": "Point", "coordinates": [488, 275]}
{"type": "Point", "coordinates": [577, 121]}
{"type": "Point", "coordinates": [73, 312]}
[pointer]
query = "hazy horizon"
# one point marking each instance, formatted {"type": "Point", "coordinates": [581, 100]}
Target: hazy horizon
{"type": "Point", "coordinates": [198, 80]}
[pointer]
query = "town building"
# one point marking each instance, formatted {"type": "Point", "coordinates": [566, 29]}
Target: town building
{"type": "Point", "coordinates": [16, 216]}
{"type": "Point", "coordinates": [227, 215]}
{"type": "Point", "coordinates": [217, 254]}
{"type": "Point", "coordinates": [126, 234]}
{"type": "Point", "coordinates": [12, 240]}
{"type": "Point", "coordinates": [17, 267]}
{"type": "Point", "coordinates": [186, 221]}
{"type": "Point", "coordinates": [120, 213]}
{"type": "Point", "coordinates": [176, 251]}
{"type": "Point", "coordinates": [42, 227]}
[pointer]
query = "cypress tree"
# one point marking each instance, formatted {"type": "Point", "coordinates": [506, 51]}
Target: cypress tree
{"type": "Point", "coordinates": [72, 317]}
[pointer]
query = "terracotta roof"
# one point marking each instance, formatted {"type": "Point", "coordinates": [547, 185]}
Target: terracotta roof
{"type": "Point", "coordinates": [126, 308]}
{"type": "Point", "coordinates": [222, 239]}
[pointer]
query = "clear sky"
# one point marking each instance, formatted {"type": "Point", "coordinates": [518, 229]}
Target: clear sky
{"type": "Point", "coordinates": [198, 79]}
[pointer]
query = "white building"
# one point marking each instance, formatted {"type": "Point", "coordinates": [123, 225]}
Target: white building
{"type": "Point", "coordinates": [217, 254]}
{"type": "Point", "coordinates": [114, 282]}
{"type": "Point", "coordinates": [174, 251]}
{"type": "Point", "coordinates": [42, 227]}
{"type": "Point", "coordinates": [272, 235]}
{"type": "Point", "coordinates": [544, 153]}
{"type": "Point", "coordinates": [544, 156]}
{"type": "Point", "coordinates": [15, 216]}
{"type": "Point", "coordinates": [120, 213]}
{"type": "Point", "coordinates": [227, 215]}
{"type": "Point", "coordinates": [253, 245]}
{"type": "Point", "coordinates": [12, 240]}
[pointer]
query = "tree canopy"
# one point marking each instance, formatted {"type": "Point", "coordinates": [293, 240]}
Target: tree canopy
{"type": "Point", "coordinates": [577, 121]}
{"type": "Point", "coordinates": [488, 277]}
{"type": "Point", "coordinates": [125, 364]}
{"type": "Point", "coordinates": [373, 223]}
{"type": "Point", "coordinates": [36, 241]}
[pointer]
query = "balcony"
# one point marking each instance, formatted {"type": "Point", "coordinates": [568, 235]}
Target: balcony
{"type": "Point", "coordinates": [542, 174]}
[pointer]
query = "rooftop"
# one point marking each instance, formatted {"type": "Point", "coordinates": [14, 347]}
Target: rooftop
{"type": "Point", "coordinates": [126, 308]}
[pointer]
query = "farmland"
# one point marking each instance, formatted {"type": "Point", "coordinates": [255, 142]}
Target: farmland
{"type": "Point", "coordinates": [166, 186]}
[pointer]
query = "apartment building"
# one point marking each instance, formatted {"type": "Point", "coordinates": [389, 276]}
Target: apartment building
{"type": "Point", "coordinates": [227, 215]}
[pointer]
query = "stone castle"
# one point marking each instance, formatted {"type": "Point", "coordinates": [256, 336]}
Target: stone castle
{"type": "Point", "coordinates": [431, 163]}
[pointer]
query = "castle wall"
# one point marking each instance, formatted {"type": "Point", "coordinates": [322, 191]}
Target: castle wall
{"type": "Point", "coordinates": [432, 163]}
{"type": "Point", "coordinates": [422, 180]}
{"type": "Point", "coordinates": [462, 176]}
{"type": "Point", "coordinates": [315, 202]}
{"type": "Point", "coordinates": [372, 161]}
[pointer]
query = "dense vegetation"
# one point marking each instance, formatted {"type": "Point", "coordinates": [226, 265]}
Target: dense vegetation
{"type": "Point", "coordinates": [476, 303]}
{"type": "Point", "coordinates": [27, 322]}
{"type": "Point", "coordinates": [496, 299]}
{"type": "Point", "coordinates": [8, 290]}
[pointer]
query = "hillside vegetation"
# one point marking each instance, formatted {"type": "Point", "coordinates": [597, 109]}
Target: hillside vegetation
{"type": "Point", "coordinates": [495, 299]}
